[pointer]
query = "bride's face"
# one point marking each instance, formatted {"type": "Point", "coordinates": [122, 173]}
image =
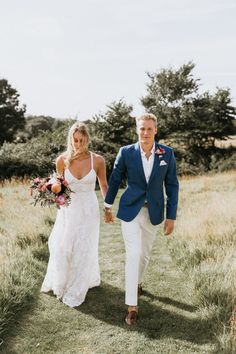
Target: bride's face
{"type": "Point", "coordinates": [79, 142]}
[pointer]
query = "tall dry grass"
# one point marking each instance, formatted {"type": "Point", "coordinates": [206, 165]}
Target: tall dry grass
{"type": "Point", "coordinates": [23, 235]}
{"type": "Point", "coordinates": [205, 246]}
{"type": "Point", "coordinates": [231, 141]}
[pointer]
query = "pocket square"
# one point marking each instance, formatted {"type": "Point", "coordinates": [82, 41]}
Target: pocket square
{"type": "Point", "coordinates": [163, 163]}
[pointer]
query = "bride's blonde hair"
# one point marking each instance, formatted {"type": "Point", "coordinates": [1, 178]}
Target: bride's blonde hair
{"type": "Point", "coordinates": [70, 154]}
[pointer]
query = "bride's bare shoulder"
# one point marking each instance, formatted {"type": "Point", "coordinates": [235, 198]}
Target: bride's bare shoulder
{"type": "Point", "coordinates": [60, 163]}
{"type": "Point", "coordinates": [99, 159]}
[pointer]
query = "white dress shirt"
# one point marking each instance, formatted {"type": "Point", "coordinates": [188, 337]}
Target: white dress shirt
{"type": "Point", "coordinates": [147, 162]}
{"type": "Point", "coordinates": [147, 166]}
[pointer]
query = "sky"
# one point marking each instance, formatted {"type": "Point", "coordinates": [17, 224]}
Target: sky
{"type": "Point", "coordinates": [72, 58]}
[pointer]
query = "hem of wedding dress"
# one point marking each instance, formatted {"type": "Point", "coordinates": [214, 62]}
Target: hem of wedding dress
{"type": "Point", "coordinates": [63, 299]}
{"type": "Point", "coordinates": [97, 283]}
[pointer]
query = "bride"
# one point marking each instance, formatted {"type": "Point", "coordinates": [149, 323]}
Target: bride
{"type": "Point", "coordinates": [73, 244]}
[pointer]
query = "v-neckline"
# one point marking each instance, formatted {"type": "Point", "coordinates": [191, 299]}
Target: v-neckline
{"type": "Point", "coordinates": [91, 164]}
{"type": "Point", "coordinates": [80, 179]}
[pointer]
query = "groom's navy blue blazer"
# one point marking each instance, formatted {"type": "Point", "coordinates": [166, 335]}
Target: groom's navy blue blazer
{"type": "Point", "coordinates": [128, 164]}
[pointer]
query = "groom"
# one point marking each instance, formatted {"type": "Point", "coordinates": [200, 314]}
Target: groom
{"type": "Point", "coordinates": [148, 167]}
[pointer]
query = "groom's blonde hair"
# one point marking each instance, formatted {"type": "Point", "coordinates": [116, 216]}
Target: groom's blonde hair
{"type": "Point", "coordinates": [147, 116]}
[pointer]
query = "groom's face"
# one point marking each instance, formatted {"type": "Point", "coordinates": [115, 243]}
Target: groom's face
{"type": "Point", "coordinates": [146, 131]}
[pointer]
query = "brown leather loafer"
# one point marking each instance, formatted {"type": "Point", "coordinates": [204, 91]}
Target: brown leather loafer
{"type": "Point", "coordinates": [140, 290]}
{"type": "Point", "coordinates": [131, 318]}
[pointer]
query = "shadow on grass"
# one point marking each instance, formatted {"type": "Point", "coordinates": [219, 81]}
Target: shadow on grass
{"type": "Point", "coordinates": [169, 301]}
{"type": "Point", "coordinates": [106, 303]}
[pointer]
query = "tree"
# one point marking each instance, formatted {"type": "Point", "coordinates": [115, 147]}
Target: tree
{"type": "Point", "coordinates": [37, 125]}
{"type": "Point", "coordinates": [117, 125]}
{"type": "Point", "coordinates": [167, 91]}
{"type": "Point", "coordinates": [11, 114]}
{"type": "Point", "coordinates": [190, 118]}
{"type": "Point", "coordinates": [113, 129]}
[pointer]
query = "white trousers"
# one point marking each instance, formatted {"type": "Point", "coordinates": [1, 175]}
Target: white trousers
{"type": "Point", "coordinates": [139, 235]}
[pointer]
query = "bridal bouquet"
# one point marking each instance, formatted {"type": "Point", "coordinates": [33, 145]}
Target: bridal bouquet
{"type": "Point", "coordinates": [50, 190]}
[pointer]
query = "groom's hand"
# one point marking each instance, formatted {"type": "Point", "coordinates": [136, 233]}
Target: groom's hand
{"type": "Point", "coordinates": [168, 226]}
{"type": "Point", "coordinates": [108, 216]}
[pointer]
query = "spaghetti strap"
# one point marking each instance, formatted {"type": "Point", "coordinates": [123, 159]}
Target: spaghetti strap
{"type": "Point", "coordinates": [91, 154]}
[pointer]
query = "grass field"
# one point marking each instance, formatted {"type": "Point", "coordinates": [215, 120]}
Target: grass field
{"type": "Point", "coordinates": [189, 288]}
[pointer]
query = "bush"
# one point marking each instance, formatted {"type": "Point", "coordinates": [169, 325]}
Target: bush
{"type": "Point", "coordinates": [223, 159]}
{"type": "Point", "coordinates": [36, 157]}
{"type": "Point", "coordinates": [199, 160]}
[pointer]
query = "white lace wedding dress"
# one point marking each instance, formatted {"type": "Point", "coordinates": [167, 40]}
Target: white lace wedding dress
{"type": "Point", "coordinates": [73, 244]}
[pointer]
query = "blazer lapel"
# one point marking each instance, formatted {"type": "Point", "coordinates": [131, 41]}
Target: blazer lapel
{"type": "Point", "coordinates": [156, 164]}
{"type": "Point", "coordinates": [139, 161]}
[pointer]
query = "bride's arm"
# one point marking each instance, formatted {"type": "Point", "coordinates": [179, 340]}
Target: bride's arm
{"type": "Point", "coordinates": [102, 179]}
{"type": "Point", "coordinates": [101, 174]}
{"type": "Point", "coordinates": [60, 165]}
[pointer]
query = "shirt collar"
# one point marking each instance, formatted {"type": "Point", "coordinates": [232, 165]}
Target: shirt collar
{"type": "Point", "coordinates": [143, 153]}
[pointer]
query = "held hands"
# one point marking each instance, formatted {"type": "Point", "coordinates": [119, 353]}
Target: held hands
{"type": "Point", "coordinates": [108, 216]}
{"type": "Point", "coordinates": [168, 226]}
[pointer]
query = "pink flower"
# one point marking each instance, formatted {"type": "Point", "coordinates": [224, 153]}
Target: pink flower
{"type": "Point", "coordinates": [43, 187]}
{"type": "Point", "coordinates": [160, 151]}
{"type": "Point", "coordinates": [60, 200]}
{"type": "Point", "coordinates": [37, 180]}
{"type": "Point", "coordinates": [65, 183]}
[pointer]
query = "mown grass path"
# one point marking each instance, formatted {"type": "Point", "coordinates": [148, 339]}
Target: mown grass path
{"type": "Point", "coordinates": [168, 318]}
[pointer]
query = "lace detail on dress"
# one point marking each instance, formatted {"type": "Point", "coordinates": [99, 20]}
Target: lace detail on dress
{"type": "Point", "coordinates": [73, 244]}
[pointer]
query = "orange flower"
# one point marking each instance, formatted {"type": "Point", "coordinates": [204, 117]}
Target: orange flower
{"type": "Point", "coordinates": [56, 188]}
